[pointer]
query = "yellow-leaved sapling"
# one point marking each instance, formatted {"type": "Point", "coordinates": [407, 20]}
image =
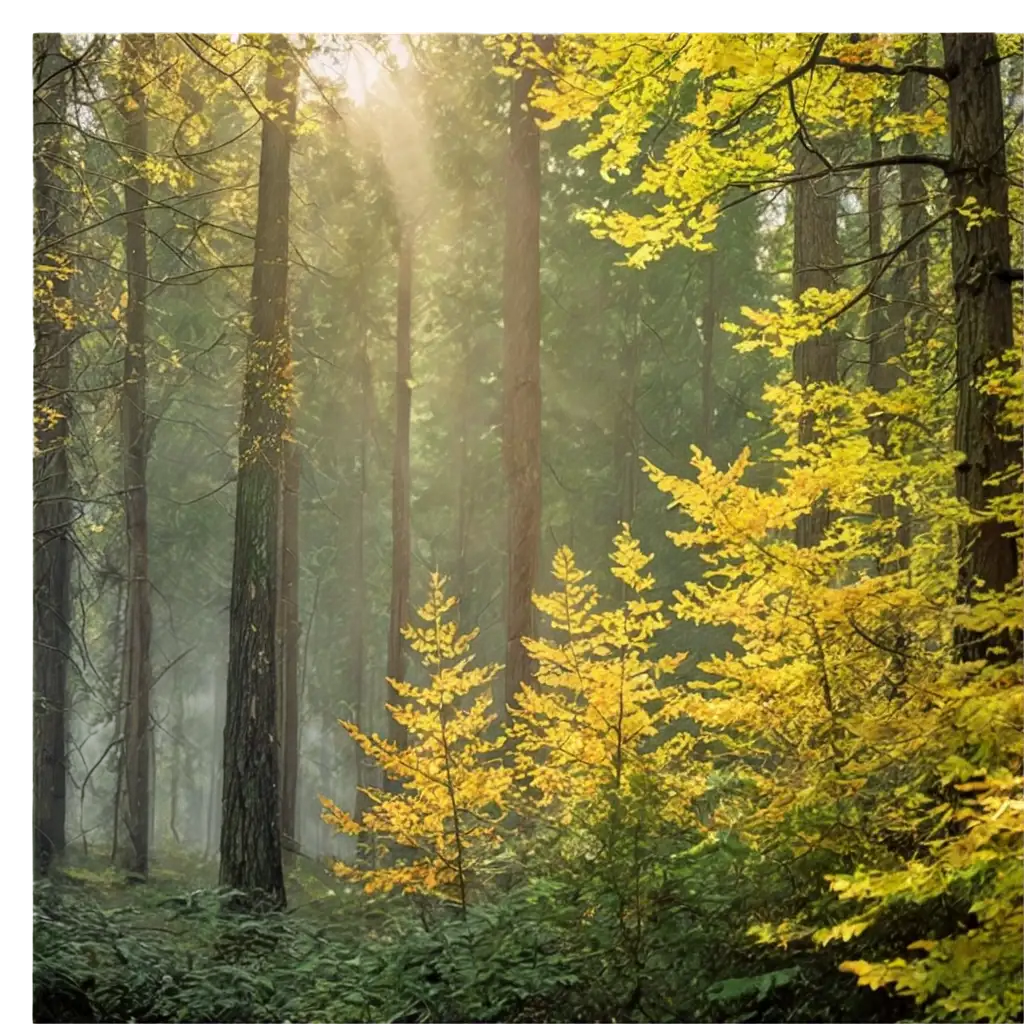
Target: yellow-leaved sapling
{"type": "Point", "coordinates": [602, 763]}
{"type": "Point", "coordinates": [452, 785]}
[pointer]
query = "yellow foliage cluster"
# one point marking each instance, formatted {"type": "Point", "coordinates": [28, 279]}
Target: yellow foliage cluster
{"type": "Point", "coordinates": [596, 719]}
{"type": "Point", "coordinates": [844, 705]}
{"type": "Point", "coordinates": [739, 132]}
{"type": "Point", "coordinates": [595, 723]}
{"type": "Point", "coordinates": [839, 706]}
{"type": "Point", "coordinates": [453, 783]}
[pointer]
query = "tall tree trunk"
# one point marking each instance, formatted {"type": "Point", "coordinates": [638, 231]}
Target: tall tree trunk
{"type": "Point", "coordinates": [815, 248]}
{"type": "Point", "coordinates": [214, 806]}
{"type": "Point", "coordinates": [328, 758]}
{"type": "Point", "coordinates": [250, 841]}
{"type": "Point", "coordinates": [401, 540]}
{"type": "Point", "coordinates": [881, 376]}
{"type": "Point", "coordinates": [521, 377]}
{"type": "Point", "coordinates": [462, 587]}
{"type": "Point", "coordinates": [115, 667]}
{"type": "Point", "coordinates": [886, 342]}
{"type": "Point", "coordinates": [984, 320]}
{"type": "Point", "coordinates": [626, 442]}
{"type": "Point", "coordinates": [138, 674]}
{"type": "Point", "coordinates": [364, 767]}
{"type": "Point", "coordinates": [151, 821]}
{"type": "Point", "coordinates": [51, 475]}
{"type": "Point", "coordinates": [910, 277]}
{"type": "Point", "coordinates": [177, 739]}
{"type": "Point", "coordinates": [465, 495]}
{"type": "Point", "coordinates": [624, 458]}
{"type": "Point", "coordinates": [288, 631]}
{"type": "Point", "coordinates": [707, 380]}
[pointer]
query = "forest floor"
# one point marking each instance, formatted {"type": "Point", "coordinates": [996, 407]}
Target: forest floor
{"type": "Point", "coordinates": [111, 946]}
{"type": "Point", "coordinates": [170, 875]}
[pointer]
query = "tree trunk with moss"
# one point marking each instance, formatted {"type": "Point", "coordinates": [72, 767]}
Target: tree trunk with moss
{"type": "Point", "coordinates": [815, 249]}
{"type": "Point", "coordinates": [250, 842]}
{"type": "Point", "coordinates": [138, 674]}
{"type": "Point", "coordinates": [984, 321]}
{"type": "Point", "coordinates": [401, 526]}
{"type": "Point", "coordinates": [521, 374]}
{"type": "Point", "coordinates": [51, 475]}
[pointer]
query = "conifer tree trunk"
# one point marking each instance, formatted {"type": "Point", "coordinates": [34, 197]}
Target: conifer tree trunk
{"type": "Point", "coordinates": [625, 442]}
{"type": "Point", "coordinates": [882, 377]}
{"type": "Point", "coordinates": [625, 453]}
{"type": "Point", "coordinates": [909, 279]}
{"type": "Point", "coordinates": [51, 475]}
{"type": "Point", "coordinates": [216, 777]}
{"type": "Point", "coordinates": [328, 751]}
{"type": "Point", "coordinates": [358, 626]}
{"type": "Point", "coordinates": [521, 375]}
{"type": "Point", "coordinates": [401, 527]}
{"type": "Point", "coordinates": [707, 380]}
{"type": "Point", "coordinates": [250, 841]}
{"type": "Point", "coordinates": [138, 676]}
{"type": "Point", "coordinates": [465, 496]}
{"type": "Point", "coordinates": [815, 248]}
{"type": "Point", "coordinates": [289, 631]}
{"type": "Point", "coordinates": [984, 317]}
{"type": "Point", "coordinates": [464, 514]}
{"type": "Point", "coordinates": [177, 739]}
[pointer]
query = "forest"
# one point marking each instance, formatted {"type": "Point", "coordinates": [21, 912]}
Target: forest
{"type": "Point", "coordinates": [528, 527]}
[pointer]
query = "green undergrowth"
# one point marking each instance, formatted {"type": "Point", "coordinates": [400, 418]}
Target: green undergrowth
{"type": "Point", "coordinates": [539, 948]}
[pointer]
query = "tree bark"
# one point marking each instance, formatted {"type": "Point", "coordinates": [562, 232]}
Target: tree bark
{"type": "Point", "coordinates": [51, 475]}
{"type": "Point", "coordinates": [910, 277]}
{"type": "Point", "coordinates": [138, 676]}
{"type": "Point", "coordinates": [624, 457]}
{"type": "Point", "coordinates": [909, 283]}
{"type": "Point", "coordinates": [984, 322]}
{"type": "Point", "coordinates": [250, 841]}
{"type": "Point", "coordinates": [289, 631]}
{"type": "Point", "coordinates": [521, 376]}
{"type": "Point", "coordinates": [625, 442]}
{"type": "Point", "coordinates": [815, 247]}
{"type": "Point", "coordinates": [882, 376]}
{"type": "Point", "coordinates": [465, 495]}
{"type": "Point", "coordinates": [177, 739]}
{"type": "Point", "coordinates": [364, 767]}
{"type": "Point", "coordinates": [707, 380]}
{"type": "Point", "coordinates": [214, 806]}
{"type": "Point", "coordinates": [401, 527]}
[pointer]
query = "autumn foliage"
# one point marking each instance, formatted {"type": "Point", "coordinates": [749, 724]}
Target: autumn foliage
{"type": "Point", "coordinates": [838, 725]}
{"type": "Point", "coordinates": [453, 782]}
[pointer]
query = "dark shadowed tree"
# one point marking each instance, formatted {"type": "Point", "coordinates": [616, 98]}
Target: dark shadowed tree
{"type": "Point", "coordinates": [137, 676]}
{"type": "Point", "coordinates": [815, 248]}
{"type": "Point", "coordinates": [51, 477]}
{"type": "Point", "coordinates": [364, 767]}
{"type": "Point", "coordinates": [983, 296]}
{"type": "Point", "coordinates": [250, 841]}
{"type": "Point", "coordinates": [401, 526]}
{"type": "Point", "coordinates": [521, 376]}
